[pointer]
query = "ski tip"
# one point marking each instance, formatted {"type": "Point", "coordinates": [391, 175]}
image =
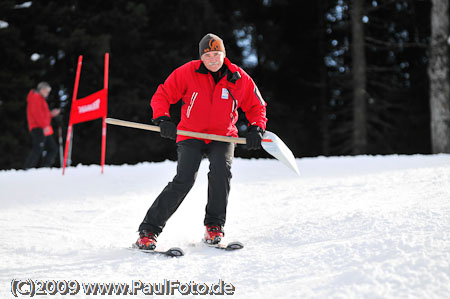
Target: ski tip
{"type": "Point", "coordinates": [235, 245]}
{"type": "Point", "coordinates": [172, 252]}
{"type": "Point", "coordinates": [175, 252]}
{"type": "Point", "coordinates": [228, 247]}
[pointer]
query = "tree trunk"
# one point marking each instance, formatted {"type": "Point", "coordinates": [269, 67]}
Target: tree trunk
{"type": "Point", "coordinates": [359, 80]}
{"type": "Point", "coordinates": [323, 76]}
{"type": "Point", "coordinates": [438, 71]}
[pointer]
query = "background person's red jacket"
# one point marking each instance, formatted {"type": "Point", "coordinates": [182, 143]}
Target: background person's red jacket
{"type": "Point", "coordinates": [208, 107]}
{"type": "Point", "coordinates": [38, 114]}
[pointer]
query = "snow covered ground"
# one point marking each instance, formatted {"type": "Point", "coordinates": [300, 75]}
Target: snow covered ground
{"type": "Point", "coordinates": [348, 227]}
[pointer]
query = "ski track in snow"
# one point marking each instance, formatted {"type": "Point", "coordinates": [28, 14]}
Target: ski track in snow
{"type": "Point", "coordinates": [348, 227]}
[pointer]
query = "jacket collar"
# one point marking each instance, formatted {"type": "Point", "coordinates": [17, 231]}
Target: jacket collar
{"type": "Point", "coordinates": [232, 71]}
{"type": "Point", "coordinates": [202, 69]}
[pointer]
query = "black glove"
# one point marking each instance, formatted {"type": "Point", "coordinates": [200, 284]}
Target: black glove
{"type": "Point", "coordinates": [254, 137]}
{"type": "Point", "coordinates": [168, 128]}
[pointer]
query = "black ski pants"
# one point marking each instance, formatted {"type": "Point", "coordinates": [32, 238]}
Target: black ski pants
{"type": "Point", "coordinates": [40, 143]}
{"type": "Point", "coordinates": [190, 154]}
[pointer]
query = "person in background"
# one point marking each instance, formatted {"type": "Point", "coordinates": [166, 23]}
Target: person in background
{"type": "Point", "coordinates": [39, 119]}
{"type": "Point", "coordinates": [212, 89]}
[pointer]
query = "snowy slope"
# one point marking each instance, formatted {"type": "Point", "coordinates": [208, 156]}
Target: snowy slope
{"type": "Point", "coordinates": [348, 227]}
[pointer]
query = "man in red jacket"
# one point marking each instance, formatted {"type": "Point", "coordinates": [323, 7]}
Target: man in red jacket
{"type": "Point", "coordinates": [39, 123]}
{"type": "Point", "coordinates": [212, 89]}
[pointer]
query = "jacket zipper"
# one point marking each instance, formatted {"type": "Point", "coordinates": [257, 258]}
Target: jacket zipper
{"type": "Point", "coordinates": [235, 103]}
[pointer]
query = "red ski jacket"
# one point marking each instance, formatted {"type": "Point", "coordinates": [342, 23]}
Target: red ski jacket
{"type": "Point", "coordinates": [209, 107]}
{"type": "Point", "coordinates": [38, 114]}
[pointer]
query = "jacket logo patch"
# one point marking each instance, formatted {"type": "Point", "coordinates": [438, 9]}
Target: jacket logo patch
{"type": "Point", "coordinates": [225, 93]}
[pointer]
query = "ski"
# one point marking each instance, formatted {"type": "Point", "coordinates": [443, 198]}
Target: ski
{"type": "Point", "coordinates": [228, 247]}
{"type": "Point", "coordinates": [172, 252]}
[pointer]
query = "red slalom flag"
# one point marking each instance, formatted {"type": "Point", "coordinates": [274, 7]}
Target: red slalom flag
{"type": "Point", "coordinates": [89, 108]}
